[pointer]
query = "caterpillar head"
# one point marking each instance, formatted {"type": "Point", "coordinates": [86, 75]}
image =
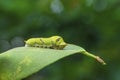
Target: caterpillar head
{"type": "Point", "coordinates": [58, 41]}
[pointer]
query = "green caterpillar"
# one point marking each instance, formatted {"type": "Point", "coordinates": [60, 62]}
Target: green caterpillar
{"type": "Point", "coordinates": [54, 42]}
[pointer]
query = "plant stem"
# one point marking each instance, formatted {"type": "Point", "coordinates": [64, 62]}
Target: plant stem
{"type": "Point", "coordinates": [94, 56]}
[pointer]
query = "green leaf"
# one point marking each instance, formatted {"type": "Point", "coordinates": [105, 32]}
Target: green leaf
{"type": "Point", "coordinates": [21, 62]}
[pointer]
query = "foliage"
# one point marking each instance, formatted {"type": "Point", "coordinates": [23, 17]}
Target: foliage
{"type": "Point", "coordinates": [24, 61]}
{"type": "Point", "coordinates": [93, 24]}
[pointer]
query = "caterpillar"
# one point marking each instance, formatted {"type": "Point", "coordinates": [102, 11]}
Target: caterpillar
{"type": "Point", "coordinates": [54, 42]}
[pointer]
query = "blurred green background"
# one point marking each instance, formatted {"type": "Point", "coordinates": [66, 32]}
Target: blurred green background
{"type": "Point", "coordinates": [92, 24]}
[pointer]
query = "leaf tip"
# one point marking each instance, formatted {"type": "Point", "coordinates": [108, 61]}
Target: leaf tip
{"type": "Point", "coordinates": [100, 60]}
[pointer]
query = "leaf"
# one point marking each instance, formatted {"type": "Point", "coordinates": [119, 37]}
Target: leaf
{"type": "Point", "coordinates": [21, 62]}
